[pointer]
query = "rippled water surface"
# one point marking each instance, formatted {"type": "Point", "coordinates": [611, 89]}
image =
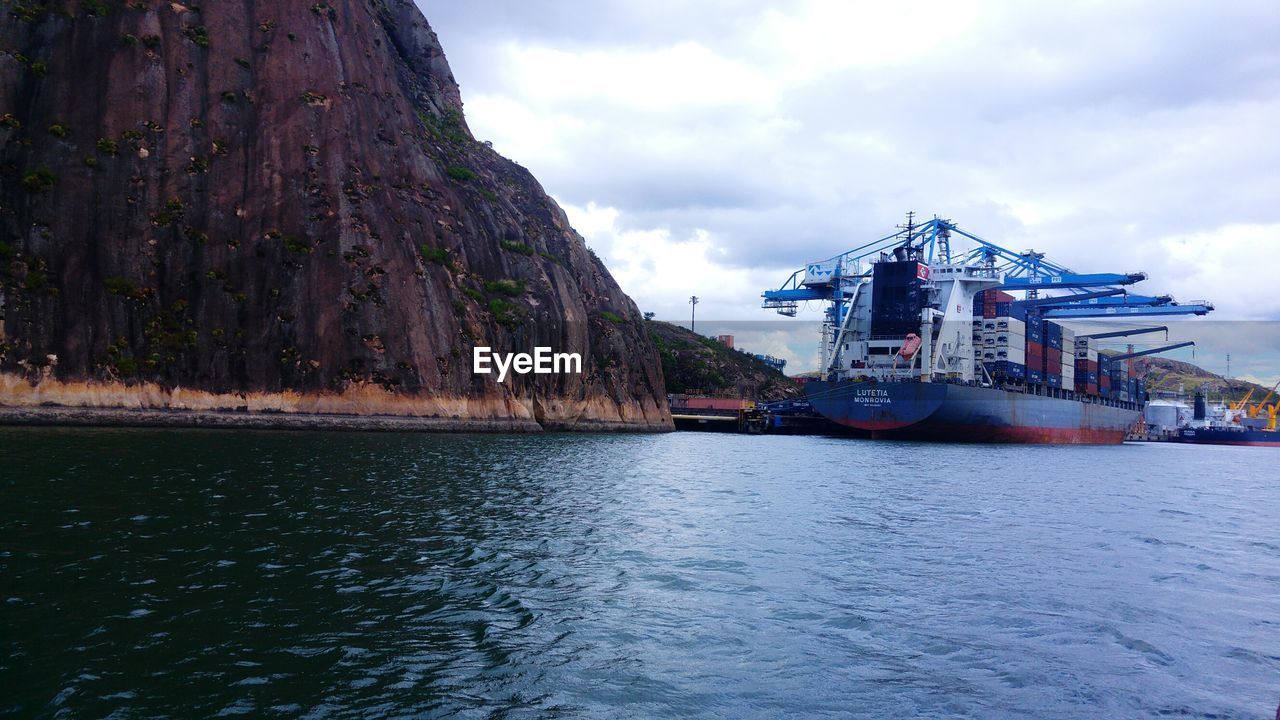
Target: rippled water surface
{"type": "Point", "coordinates": [186, 573]}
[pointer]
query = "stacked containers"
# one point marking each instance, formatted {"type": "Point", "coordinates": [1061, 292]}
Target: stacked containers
{"type": "Point", "coordinates": [988, 299]}
{"type": "Point", "coordinates": [1035, 349]}
{"type": "Point", "coordinates": [1010, 355]}
{"type": "Point", "coordinates": [1087, 366]}
{"type": "Point", "coordinates": [1104, 375]}
{"type": "Point", "coordinates": [990, 334]}
{"type": "Point", "coordinates": [1120, 380]}
{"type": "Point", "coordinates": [1068, 358]}
{"type": "Point", "coordinates": [1052, 354]}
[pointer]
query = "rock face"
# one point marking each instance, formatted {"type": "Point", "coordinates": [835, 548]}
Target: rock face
{"type": "Point", "coordinates": [280, 207]}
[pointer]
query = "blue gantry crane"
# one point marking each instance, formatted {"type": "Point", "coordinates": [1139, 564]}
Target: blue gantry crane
{"type": "Point", "coordinates": [1085, 295]}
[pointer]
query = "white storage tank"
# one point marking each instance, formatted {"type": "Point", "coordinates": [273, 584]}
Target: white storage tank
{"type": "Point", "coordinates": [1167, 414]}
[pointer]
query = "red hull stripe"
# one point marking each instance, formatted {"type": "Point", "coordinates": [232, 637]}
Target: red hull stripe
{"type": "Point", "coordinates": [994, 434]}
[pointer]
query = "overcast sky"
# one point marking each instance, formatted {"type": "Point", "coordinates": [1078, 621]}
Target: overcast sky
{"type": "Point", "coordinates": [712, 148]}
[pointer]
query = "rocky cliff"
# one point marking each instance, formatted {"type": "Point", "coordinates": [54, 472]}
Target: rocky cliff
{"type": "Point", "coordinates": [280, 207]}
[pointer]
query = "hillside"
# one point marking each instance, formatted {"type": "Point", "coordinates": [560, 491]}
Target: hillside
{"type": "Point", "coordinates": [699, 365]}
{"type": "Point", "coordinates": [1163, 374]}
{"type": "Point", "coordinates": [280, 207]}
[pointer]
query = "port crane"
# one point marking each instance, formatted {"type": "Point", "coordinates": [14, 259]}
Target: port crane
{"type": "Point", "coordinates": [1262, 406]}
{"type": "Point", "coordinates": [838, 281]}
{"type": "Point", "coordinates": [1153, 351]}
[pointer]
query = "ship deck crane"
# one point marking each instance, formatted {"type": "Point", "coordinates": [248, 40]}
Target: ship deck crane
{"type": "Point", "coordinates": [1253, 412]}
{"type": "Point", "coordinates": [1239, 405]}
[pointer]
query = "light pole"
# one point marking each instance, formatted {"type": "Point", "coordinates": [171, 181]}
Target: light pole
{"type": "Point", "coordinates": [693, 312]}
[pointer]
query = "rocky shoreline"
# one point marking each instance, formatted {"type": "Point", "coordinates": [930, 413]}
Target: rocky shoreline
{"type": "Point", "coordinates": [61, 416]}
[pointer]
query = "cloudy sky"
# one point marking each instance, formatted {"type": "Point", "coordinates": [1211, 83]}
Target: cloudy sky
{"type": "Point", "coordinates": [713, 147]}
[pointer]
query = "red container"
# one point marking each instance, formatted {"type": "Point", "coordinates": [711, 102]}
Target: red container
{"type": "Point", "coordinates": [1053, 360]}
{"type": "Point", "coordinates": [1035, 354]}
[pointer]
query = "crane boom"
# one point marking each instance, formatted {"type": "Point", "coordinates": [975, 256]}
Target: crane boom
{"type": "Point", "coordinates": [1240, 405]}
{"type": "Point", "coordinates": [1262, 405]}
{"type": "Point", "coordinates": [1126, 333]}
{"type": "Point", "coordinates": [1153, 351]}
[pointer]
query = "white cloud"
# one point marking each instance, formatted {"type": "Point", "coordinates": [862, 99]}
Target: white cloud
{"type": "Point", "coordinates": [661, 272]}
{"type": "Point", "coordinates": [712, 148]}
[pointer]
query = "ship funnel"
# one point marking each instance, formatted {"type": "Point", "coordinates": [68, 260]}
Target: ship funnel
{"type": "Point", "coordinates": [899, 253]}
{"type": "Point", "coordinates": [1202, 410]}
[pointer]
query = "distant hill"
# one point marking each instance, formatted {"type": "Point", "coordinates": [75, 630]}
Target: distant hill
{"type": "Point", "coordinates": [698, 365]}
{"type": "Point", "coordinates": [1170, 375]}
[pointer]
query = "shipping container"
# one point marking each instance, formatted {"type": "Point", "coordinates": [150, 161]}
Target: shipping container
{"type": "Point", "coordinates": [1035, 328]}
{"type": "Point", "coordinates": [1013, 326]}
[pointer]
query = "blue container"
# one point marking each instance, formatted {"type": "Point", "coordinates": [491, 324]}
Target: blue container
{"type": "Point", "coordinates": [1035, 330]}
{"type": "Point", "coordinates": [1053, 330]}
{"type": "Point", "coordinates": [1053, 380]}
{"type": "Point", "coordinates": [1014, 370]}
{"type": "Point", "coordinates": [1002, 309]}
{"type": "Point", "coordinates": [1017, 311]}
{"type": "Point", "coordinates": [1035, 376]}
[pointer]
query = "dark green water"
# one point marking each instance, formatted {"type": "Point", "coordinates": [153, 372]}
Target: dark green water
{"type": "Point", "coordinates": [195, 574]}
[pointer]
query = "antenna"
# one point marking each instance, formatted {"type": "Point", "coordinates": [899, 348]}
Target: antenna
{"type": "Point", "coordinates": [693, 312]}
{"type": "Point", "coordinates": [910, 228]}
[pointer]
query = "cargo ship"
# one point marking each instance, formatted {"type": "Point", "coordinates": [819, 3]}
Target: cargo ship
{"type": "Point", "coordinates": [1229, 436]}
{"type": "Point", "coordinates": [936, 350]}
{"type": "Point", "coordinates": [1232, 426]}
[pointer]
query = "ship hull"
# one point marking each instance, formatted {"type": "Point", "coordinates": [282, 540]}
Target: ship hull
{"type": "Point", "coordinates": [960, 413]}
{"type": "Point", "coordinates": [1229, 436]}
